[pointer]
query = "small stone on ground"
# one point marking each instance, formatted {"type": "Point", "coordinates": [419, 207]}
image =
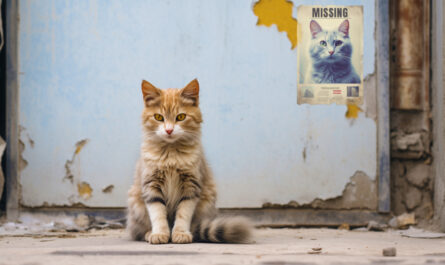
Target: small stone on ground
{"type": "Point", "coordinates": [389, 252]}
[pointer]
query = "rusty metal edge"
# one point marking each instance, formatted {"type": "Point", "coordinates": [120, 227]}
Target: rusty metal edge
{"type": "Point", "coordinates": [12, 103]}
{"type": "Point", "coordinates": [383, 136]}
{"type": "Point", "coordinates": [427, 58]}
{"type": "Point", "coordinates": [438, 112]}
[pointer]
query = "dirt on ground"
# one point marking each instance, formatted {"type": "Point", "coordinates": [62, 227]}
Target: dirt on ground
{"type": "Point", "coordinates": [270, 246]}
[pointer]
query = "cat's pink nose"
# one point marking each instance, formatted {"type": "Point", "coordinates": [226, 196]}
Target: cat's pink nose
{"type": "Point", "coordinates": [331, 52]}
{"type": "Point", "coordinates": [169, 131]}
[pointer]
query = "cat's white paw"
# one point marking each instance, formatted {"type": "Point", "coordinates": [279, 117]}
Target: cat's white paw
{"type": "Point", "coordinates": [158, 238]}
{"type": "Point", "coordinates": [180, 237]}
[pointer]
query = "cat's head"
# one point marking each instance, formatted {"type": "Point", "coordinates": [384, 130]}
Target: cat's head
{"type": "Point", "coordinates": [172, 114]}
{"type": "Point", "coordinates": [330, 46]}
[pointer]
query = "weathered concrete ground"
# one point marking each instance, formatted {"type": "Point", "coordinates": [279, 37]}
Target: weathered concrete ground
{"type": "Point", "coordinates": [272, 246]}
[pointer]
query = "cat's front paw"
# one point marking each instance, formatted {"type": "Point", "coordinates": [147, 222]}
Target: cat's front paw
{"type": "Point", "coordinates": [147, 236]}
{"type": "Point", "coordinates": [181, 237]}
{"type": "Point", "coordinates": [158, 238]}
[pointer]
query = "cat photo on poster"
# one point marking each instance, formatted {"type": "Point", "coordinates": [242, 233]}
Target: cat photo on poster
{"type": "Point", "coordinates": [330, 54]}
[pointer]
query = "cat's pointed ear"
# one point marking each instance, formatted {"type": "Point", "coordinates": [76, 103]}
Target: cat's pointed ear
{"type": "Point", "coordinates": [150, 93]}
{"type": "Point", "coordinates": [344, 27]}
{"type": "Point", "coordinates": [190, 93]}
{"type": "Point", "coordinates": [315, 28]}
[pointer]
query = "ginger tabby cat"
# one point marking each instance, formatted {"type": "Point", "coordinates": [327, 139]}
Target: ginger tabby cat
{"type": "Point", "coordinates": [173, 195]}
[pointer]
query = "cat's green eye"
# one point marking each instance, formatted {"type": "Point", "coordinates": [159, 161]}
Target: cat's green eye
{"type": "Point", "coordinates": [323, 43]}
{"type": "Point", "coordinates": [159, 117]}
{"type": "Point", "coordinates": [180, 117]}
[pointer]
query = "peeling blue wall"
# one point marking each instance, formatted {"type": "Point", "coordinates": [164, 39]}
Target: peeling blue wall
{"type": "Point", "coordinates": [81, 65]}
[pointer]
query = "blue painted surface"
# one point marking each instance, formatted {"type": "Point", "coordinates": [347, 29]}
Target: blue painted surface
{"type": "Point", "coordinates": [82, 63]}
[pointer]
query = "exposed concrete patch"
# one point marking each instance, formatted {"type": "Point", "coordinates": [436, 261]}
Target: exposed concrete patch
{"type": "Point", "coordinates": [412, 185]}
{"type": "Point", "coordinates": [359, 193]}
{"type": "Point", "coordinates": [398, 184]}
{"type": "Point", "coordinates": [279, 13]}
{"type": "Point", "coordinates": [108, 189]}
{"type": "Point", "coordinates": [404, 141]}
{"type": "Point", "coordinates": [411, 175]}
{"type": "Point", "coordinates": [370, 96]}
{"type": "Point", "coordinates": [418, 175]}
{"type": "Point", "coordinates": [412, 145]}
{"type": "Point", "coordinates": [425, 210]}
{"type": "Point", "coordinates": [413, 197]}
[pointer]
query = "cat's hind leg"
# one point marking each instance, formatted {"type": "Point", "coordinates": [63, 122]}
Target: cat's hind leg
{"type": "Point", "coordinates": [138, 221]}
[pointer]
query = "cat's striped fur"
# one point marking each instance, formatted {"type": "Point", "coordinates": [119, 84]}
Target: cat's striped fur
{"type": "Point", "coordinates": [173, 195]}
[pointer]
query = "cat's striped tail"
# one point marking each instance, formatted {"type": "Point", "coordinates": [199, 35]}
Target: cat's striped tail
{"type": "Point", "coordinates": [224, 230]}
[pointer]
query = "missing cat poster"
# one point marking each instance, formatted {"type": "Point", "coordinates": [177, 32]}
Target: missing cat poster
{"type": "Point", "coordinates": [330, 55]}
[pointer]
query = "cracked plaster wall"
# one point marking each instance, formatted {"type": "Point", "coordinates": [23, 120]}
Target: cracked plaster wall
{"type": "Point", "coordinates": [61, 104]}
{"type": "Point", "coordinates": [411, 134]}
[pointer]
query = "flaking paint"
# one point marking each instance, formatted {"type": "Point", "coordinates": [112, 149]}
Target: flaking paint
{"type": "Point", "coordinates": [279, 13]}
{"type": "Point", "coordinates": [352, 111]}
{"type": "Point", "coordinates": [83, 65]}
{"type": "Point", "coordinates": [84, 189]}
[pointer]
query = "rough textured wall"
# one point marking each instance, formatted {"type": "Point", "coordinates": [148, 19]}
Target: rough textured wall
{"type": "Point", "coordinates": [440, 188]}
{"type": "Point", "coordinates": [438, 102]}
{"type": "Point", "coordinates": [411, 137]}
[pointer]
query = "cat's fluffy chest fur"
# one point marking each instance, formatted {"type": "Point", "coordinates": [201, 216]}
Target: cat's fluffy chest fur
{"type": "Point", "coordinates": [180, 155]}
{"type": "Point", "coordinates": [173, 195]}
{"type": "Point", "coordinates": [168, 163]}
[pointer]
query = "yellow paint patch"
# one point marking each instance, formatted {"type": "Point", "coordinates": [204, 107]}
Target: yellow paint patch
{"type": "Point", "coordinates": [352, 112]}
{"type": "Point", "coordinates": [84, 189]}
{"type": "Point", "coordinates": [80, 145]}
{"type": "Point", "coordinates": [279, 13]}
